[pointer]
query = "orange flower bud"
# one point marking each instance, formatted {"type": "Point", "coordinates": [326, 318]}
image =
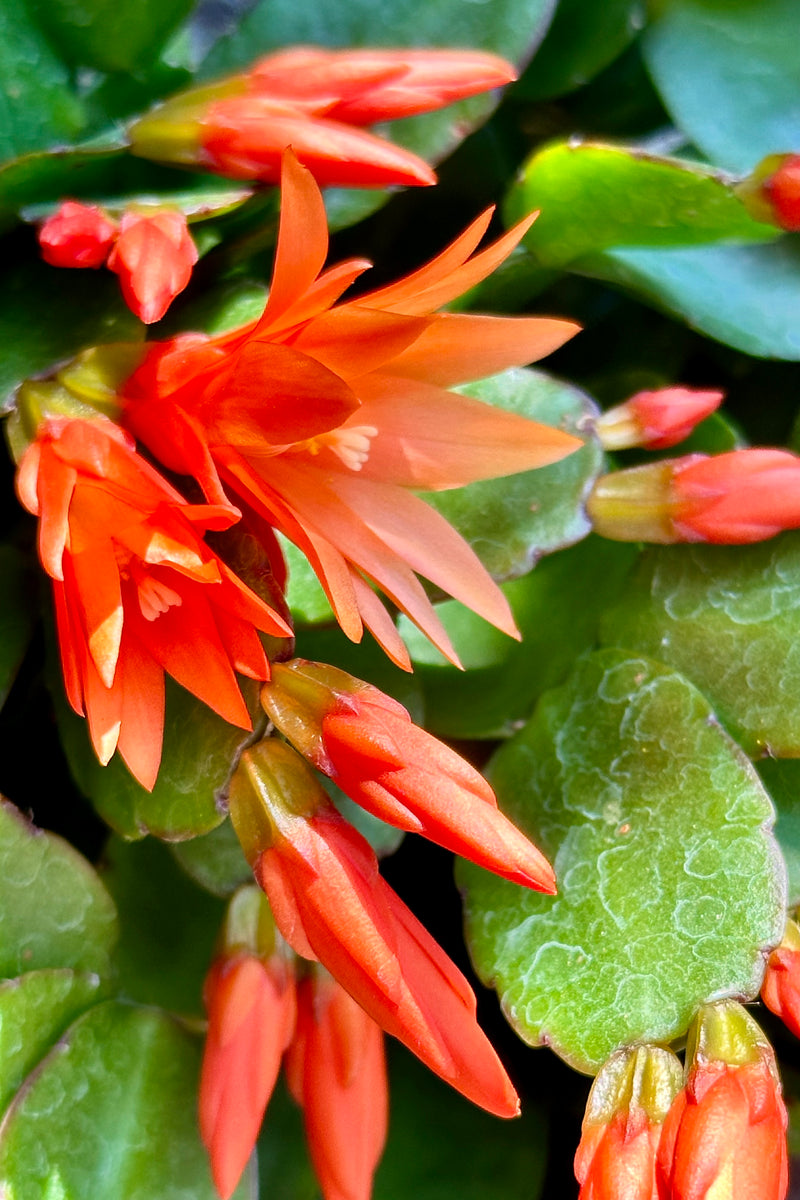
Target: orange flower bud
{"type": "Point", "coordinates": [772, 193]}
{"type": "Point", "coordinates": [77, 235]}
{"type": "Point", "coordinates": [331, 904]}
{"type": "Point", "coordinates": [730, 499]}
{"type": "Point", "coordinates": [725, 1135]}
{"type": "Point", "coordinates": [781, 988]}
{"type": "Point", "coordinates": [313, 100]}
{"type": "Point", "coordinates": [627, 1106]}
{"type": "Point", "coordinates": [153, 257]}
{"type": "Point", "coordinates": [250, 999]}
{"type": "Point", "coordinates": [656, 420]}
{"type": "Point", "coordinates": [336, 1071]}
{"type": "Point", "coordinates": [367, 743]}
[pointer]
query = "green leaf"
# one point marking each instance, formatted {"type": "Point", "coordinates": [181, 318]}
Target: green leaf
{"type": "Point", "coordinates": [583, 39]}
{"type": "Point", "coordinates": [556, 608]}
{"type": "Point", "coordinates": [17, 615]}
{"type": "Point", "coordinates": [671, 888]}
{"type": "Point", "coordinates": [112, 35]}
{"type": "Point", "coordinates": [35, 1009]}
{"type": "Point", "coordinates": [744, 296]}
{"type": "Point", "coordinates": [48, 314]}
{"type": "Point", "coordinates": [38, 107]}
{"type": "Point", "coordinates": [215, 860]}
{"type": "Point", "coordinates": [511, 522]}
{"type": "Point", "coordinates": [594, 197]}
{"type": "Point", "coordinates": [54, 911]}
{"type": "Point", "coordinates": [729, 73]}
{"type": "Point", "coordinates": [200, 750]}
{"type": "Point", "coordinates": [305, 594]}
{"type": "Point", "coordinates": [168, 926]}
{"type": "Point", "coordinates": [781, 778]}
{"type": "Point", "coordinates": [728, 617]}
{"type": "Point", "coordinates": [110, 1114]}
{"type": "Point", "coordinates": [505, 1158]}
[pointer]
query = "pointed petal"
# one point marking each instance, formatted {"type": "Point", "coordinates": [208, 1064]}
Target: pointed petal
{"type": "Point", "coordinates": [70, 637]}
{"type": "Point", "coordinates": [55, 485]}
{"type": "Point", "coordinates": [96, 576]}
{"type": "Point", "coordinates": [141, 734]}
{"type": "Point", "coordinates": [352, 340]}
{"type": "Point", "coordinates": [459, 347]}
{"type": "Point", "coordinates": [319, 297]}
{"type": "Point", "coordinates": [380, 624]}
{"type": "Point", "coordinates": [302, 238]}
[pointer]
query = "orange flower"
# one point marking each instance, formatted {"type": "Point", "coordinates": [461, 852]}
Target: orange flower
{"type": "Point", "coordinates": [336, 1070]}
{"type": "Point", "coordinates": [77, 235]}
{"type": "Point", "coordinates": [250, 999]}
{"type": "Point", "coordinates": [781, 988]}
{"type": "Point", "coordinates": [153, 256]}
{"type": "Point", "coordinates": [368, 744]}
{"type": "Point", "coordinates": [331, 904]}
{"type": "Point", "coordinates": [725, 1135]}
{"type": "Point", "coordinates": [627, 1105]}
{"type": "Point", "coordinates": [323, 417]}
{"type": "Point", "coordinates": [310, 99]}
{"type": "Point", "coordinates": [136, 590]}
{"type": "Point", "coordinates": [730, 499]}
{"type": "Point", "coordinates": [656, 420]}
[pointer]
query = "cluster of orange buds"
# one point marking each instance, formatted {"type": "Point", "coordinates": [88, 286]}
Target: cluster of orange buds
{"type": "Point", "coordinates": [316, 101]}
{"type": "Point", "coordinates": [717, 1130]}
{"type": "Point", "coordinates": [263, 1007]}
{"type": "Point", "coordinates": [150, 249]}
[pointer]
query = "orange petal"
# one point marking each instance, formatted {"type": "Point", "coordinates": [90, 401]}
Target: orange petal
{"type": "Point", "coordinates": [141, 734]}
{"type": "Point", "coordinates": [302, 238]}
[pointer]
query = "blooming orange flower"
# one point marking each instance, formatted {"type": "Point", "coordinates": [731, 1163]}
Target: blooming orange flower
{"type": "Point", "coordinates": [367, 743]}
{"type": "Point", "coordinates": [629, 1100]}
{"type": "Point", "coordinates": [249, 995]}
{"type": "Point", "coordinates": [136, 590]}
{"type": "Point", "coordinates": [725, 1135]}
{"type": "Point", "coordinates": [311, 99]}
{"type": "Point", "coordinates": [656, 420]}
{"type": "Point", "coordinates": [322, 417]}
{"type": "Point", "coordinates": [153, 256]}
{"type": "Point", "coordinates": [781, 988]}
{"type": "Point", "coordinates": [77, 235]}
{"type": "Point", "coordinates": [336, 1070]}
{"type": "Point", "coordinates": [331, 904]}
{"type": "Point", "coordinates": [730, 499]}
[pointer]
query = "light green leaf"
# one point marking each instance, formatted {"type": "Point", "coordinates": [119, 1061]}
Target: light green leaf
{"type": "Point", "coordinates": [35, 1009]}
{"type": "Point", "coordinates": [671, 888]}
{"type": "Point", "coordinates": [729, 73]}
{"type": "Point", "coordinates": [745, 296]}
{"type": "Point", "coordinates": [511, 522]}
{"type": "Point", "coordinates": [556, 608]}
{"type": "Point", "coordinates": [54, 911]}
{"type": "Point", "coordinates": [594, 197]}
{"type": "Point", "coordinates": [728, 617]}
{"type": "Point", "coordinates": [168, 926]}
{"type": "Point", "coordinates": [110, 1114]}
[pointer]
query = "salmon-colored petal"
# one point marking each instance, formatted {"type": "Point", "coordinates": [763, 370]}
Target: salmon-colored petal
{"type": "Point", "coordinates": [352, 340]}
{"type": "Point", "coordinates": [97, 585]}
{"type": "Point", "coordinates": [302, 238]}
{"type": "Point", "coordinates": [141, 681]}
{"type": "Point", "coordinates": [103, 709]}
{"type": "Point", "coordinates": [324, 292]}
{"type": "Point", "coordinates": [380, 624]}
{"type": "Point", "coordinates": [459, 347]}
{"type": "Point", "coordinates": [55, 485]}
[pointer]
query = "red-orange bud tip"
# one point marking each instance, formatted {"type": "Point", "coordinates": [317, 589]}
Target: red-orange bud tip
{"type": "Point", "coordinates": [153, 257]}
{"type": "Point", "coordinates": [77, 235]}
{"type": "Point", "coordinates": [656, 420]}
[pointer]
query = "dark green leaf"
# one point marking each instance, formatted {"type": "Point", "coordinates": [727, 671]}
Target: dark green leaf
{"type": "Point", "coordinates": [583, 39]}
{"type": "Point", "coordinates": [511, 522]}
{"type": "Point", "coordinates": [17, 615]}
{"type": "Point", "coordinates": [54, 911]}
{"type": "Point", "coordinates": [110, 1114]}
{"type": "Point", "coordinates": [35, 1009]}
{"type": "Point", "coordinates": [48, 314]}
{"type": "Point", "coordinates": [39, 107]}
{"type": "Point", "coordinates": [112, 35]}
{"type": "Point", "coordinates": [215, 861]}
{"type": "Point", "coordinates": [729, 73]}
{"type": "Point", "coordinates": [556, 608]}
{"type": "Point", "coordinates": [781, 778]}
{"type": "Point", "coordinates": [745, 296]}
{"type": "Point", "coordinates": [671, 887]}
{"type": "Point", "coordinates": [593, 198]}
{"type": "Point", "coordinates": [200, 750]}
{"type": "Point", "coordinates": [167, 926]}
{"type": "Point", "coordinates": [728, 617]}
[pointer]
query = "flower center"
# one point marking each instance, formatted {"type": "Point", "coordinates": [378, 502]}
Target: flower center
{"type": "Point", "coordinates": [350, 444]}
